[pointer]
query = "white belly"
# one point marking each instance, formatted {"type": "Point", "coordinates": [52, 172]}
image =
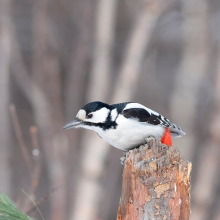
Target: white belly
{"type": "Point", "coordinates": [130, 133]}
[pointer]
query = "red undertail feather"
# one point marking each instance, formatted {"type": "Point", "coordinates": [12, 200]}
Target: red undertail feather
{"type": "Point", "coordinates": [167, 139]}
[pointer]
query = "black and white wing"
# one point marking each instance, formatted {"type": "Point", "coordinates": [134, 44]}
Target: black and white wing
{"type": "Point", "coordinates": [144, 114]}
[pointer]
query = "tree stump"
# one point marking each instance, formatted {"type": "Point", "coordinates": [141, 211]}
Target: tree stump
{"type": "Point", "coordinates": [156, 184]}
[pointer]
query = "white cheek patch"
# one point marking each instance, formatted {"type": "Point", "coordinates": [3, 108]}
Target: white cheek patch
{"type": "Point", "coordinates": [99, 116]}
{"type": "Point", "coordinates": [137, 105]}
{"type": "Point", "coordinates": [81, 115]}
{"type": "Point", "coordinates": [114, 114]}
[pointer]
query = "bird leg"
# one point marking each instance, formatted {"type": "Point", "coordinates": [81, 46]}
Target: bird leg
{"type": "Point", "coordinates": [148, 139]}
{"type": "Point", "coordinates": [122, 160]}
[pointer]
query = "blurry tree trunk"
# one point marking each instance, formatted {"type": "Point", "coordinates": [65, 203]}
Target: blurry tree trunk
{"type": "Point", "coordinates": [5, 55]}
{"type": "Point", "coordinates": [59, 141]}
{"type": "Point", "coordinates": [214, 128]}
{"type": "Point", "coordinates": [74, 88]}
{"type": "Point", "coordinates": [191, 71]}
{"type": "Point", "coordinates": [46, 75]}
{"type": "Point", "coordinates": [75, 82]}
{"type": "Point", "coordinates": [156, 184]}
{"type": "Point", "coordinates": [206, 185]}
{"type": "Point", "coordinates": [87, 201]}
{"type": "Point", "coordinates": [138, 41]}
{"type": "Point", "coordinates": [47, 109]}
{"type": "Point", "coordinates": [185, 96]}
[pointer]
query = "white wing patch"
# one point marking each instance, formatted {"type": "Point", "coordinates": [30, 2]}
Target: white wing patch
{"type": "Point", "coordinates": [137, 105]}
{"type": "Point", "coordinates": [114, 114]}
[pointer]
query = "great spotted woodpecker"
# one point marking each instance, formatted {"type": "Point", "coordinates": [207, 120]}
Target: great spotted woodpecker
{"type": "Point", "coordinates": [125, 125]}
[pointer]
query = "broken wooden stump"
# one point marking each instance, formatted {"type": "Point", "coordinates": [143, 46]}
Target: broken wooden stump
{"type": "Point", "coordinates": [156, 184]}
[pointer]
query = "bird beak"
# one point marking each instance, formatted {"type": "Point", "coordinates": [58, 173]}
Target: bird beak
{"type": "Point", "coordinates": [72, 124]}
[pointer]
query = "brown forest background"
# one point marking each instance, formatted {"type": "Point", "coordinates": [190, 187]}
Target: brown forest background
{"type": "Point", "coordinates": [57, 55]}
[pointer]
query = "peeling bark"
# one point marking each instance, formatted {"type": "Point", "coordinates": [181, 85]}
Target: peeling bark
{"type": "Point", "coordinates": [156, 184]}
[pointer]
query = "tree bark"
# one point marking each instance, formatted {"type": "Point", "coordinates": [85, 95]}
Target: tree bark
{"type": "Point", "coordinates": [156, 184]}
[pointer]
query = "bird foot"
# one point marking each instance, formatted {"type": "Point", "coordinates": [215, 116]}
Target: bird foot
{"type": "Point", "coordinates": [122, 159]}
{"type": "Point", "coordinates": [148, 139]}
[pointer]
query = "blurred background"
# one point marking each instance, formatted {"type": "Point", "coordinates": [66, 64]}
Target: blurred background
{"type": "Point", "coordinates": [58, 55]}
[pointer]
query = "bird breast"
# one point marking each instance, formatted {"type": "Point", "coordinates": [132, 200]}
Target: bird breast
{"type": "Point", "coordinates": [130, 133]}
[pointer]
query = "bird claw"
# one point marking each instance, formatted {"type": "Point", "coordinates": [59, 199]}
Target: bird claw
{"type": "Point", "coordinates": [148, 139]}
{"type": "Point", "coordinates": [122, 160]}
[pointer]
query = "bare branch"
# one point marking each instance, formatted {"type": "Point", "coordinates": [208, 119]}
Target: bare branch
{"type": "Point", "coordinates": [36, 167]}
{"type": "Point", "coordinates": [42, 200]}
{"type": "Point", "coordinates": [19, 136]}
{"type": "Point", "coordinates": [36, 152]}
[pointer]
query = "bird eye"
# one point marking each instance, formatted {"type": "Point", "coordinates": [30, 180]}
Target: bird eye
{"type": "Point", "coordinates": [89, 116]}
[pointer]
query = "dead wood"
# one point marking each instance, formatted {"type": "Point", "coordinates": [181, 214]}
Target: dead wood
{"type": "Point", "coordinates": [156, 184]}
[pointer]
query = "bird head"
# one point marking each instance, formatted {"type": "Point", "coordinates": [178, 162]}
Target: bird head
{"type": "Point", "coordinates": [92, 114]}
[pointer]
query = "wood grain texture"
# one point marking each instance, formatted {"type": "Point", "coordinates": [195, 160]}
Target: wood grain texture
{"type": "Point", "coordinates": [156, 184]}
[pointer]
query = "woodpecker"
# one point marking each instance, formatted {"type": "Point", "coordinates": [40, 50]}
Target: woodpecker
{"type": "Point", "coordinates": [125, 125]}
